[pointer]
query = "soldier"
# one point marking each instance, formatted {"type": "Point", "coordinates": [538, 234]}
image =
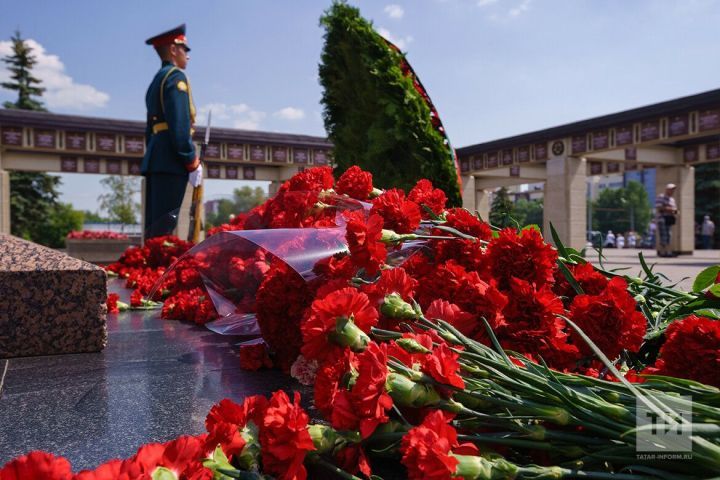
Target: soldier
{"type": "Point", "coordinates": [170, 158]}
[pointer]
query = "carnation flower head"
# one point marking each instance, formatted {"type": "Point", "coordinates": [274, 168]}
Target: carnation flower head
{"type": "Point", "coordinates": [37, 465]}
{"type": "Point", "coordinates": [522, 255]}
{"type": "Point", "coordinates": [363, 236]}
{"type": "Point", "coordinates": [355, 183]}
{"type": "Point", "coordinates": [399, 214]}
{"type": "Point", "coordinates": [423, 193]}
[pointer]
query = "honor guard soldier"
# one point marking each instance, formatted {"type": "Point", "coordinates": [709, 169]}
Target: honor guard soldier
{"type": "Point", "coordinates": [170, 159]}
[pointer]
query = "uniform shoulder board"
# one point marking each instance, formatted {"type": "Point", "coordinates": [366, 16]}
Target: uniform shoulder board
{"type": "Point", "coordinates": [182, 86]}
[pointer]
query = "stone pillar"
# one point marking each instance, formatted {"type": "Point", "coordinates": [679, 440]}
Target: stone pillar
{"type": "Point", "coordinates": [468, 192]}
{"type": "Point", "coordinates": [482, 204]}
{"type": "Point", "coordinates": [565, 203]}
{"type": "Point", "coordinates": [683, 232]}
{"type": "Point", "coordinates": [274, 187]}
{"type": "Point", "coordinates": [4, 201]}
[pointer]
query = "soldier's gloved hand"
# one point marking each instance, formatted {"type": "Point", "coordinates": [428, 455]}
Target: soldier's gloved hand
{"type": "Point", "coordinates": [195, 178]}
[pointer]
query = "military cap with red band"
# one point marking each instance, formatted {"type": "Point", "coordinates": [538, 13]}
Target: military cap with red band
{"type": "Point", "coordinates": [176, 36]}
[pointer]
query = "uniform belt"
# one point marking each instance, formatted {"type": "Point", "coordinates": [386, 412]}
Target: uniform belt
{"type": "Point", "coordinates": [159, 127]}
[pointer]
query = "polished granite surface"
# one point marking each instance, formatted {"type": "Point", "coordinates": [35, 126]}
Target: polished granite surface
{"type": "Point", "coordinates": [156, 380]}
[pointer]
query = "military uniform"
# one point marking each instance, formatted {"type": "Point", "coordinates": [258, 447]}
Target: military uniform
{"type": "Point", "coordinates": [170, 152]}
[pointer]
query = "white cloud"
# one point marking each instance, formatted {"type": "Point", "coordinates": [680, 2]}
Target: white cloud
{"type": "Point", "coordinates": [61, 90]}
{"type": "Point", "coordinates": [400, 42]}
{"type": "Point", "coordinates": [520, 9]}
{"type": "Point", "coordinates": [394, 11]}
{"type": "Point", "coordinates": [485, 3]}
{"type": "Point", "coordinates": [239, 115]}
{"type": "Point", "coordinates": [290, 113]}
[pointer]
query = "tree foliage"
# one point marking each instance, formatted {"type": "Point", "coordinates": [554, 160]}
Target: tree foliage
{"type": "Point", "coordinates": [707, 195]}
{"type": "Point", "coordinates": [622, 209]}
{"type": "Point", "coordinates": [119, 202]}
{"type": "Point", "coordinates": [528, 212]}
{"type": "Point", "coordinates": [244, 199]}
{"type": "Point", "coordinates": [501, 209]}
{"type": "Point", "coordinates": [20, 65]}
{"type": "Point", "coordinates": [373, 113]}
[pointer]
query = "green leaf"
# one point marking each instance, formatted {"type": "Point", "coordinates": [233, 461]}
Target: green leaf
{"type": "Point", "coordinates": [715, 290]}
{"type": "Point", "coordinates": [532, 227]}
{"type": "Point", "coordinates": [705, 278]}
{"type": "Point", "coordinates": [713, 313]}
{"type": "Point", "coordinates": [558, 244]}
{"type": "Point", "coordinates": [570, 278]}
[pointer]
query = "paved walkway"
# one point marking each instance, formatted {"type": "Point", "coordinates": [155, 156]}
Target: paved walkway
{"type": "Point", "coordinates": [681, 269]}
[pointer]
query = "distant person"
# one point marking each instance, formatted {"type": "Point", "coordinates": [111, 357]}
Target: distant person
{"type": "Point", "coordinates": [665, 216]}
{"type": "Point", "coordinates": [632, 240]}
{"type": "Point", "coordinates": [707, 231]}
{"type": "Point", "coordinates": [170, 160]}
{"type": "Point", "coordinates": [620, 241]}
{"type": "Point", "coordinates": [609, 240]}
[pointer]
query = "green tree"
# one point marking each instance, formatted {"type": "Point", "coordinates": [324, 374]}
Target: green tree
{"type": "Point", "coordinates": [94, 217]}
{"type": "Point", "coordinates": [707, 195]}
{"type": "Point", "coordinates": [373, 113]}
{"type": "Point", "coordinates": [119, 201]}
{"type": "Point", "coordinates": [622, 209]}
{"type": "Point", "coordinates": [20, 65]}
{"type": "Point", "coordinates": [244, 199]}
{"type": "Point", "coordinates": [62, 220]}
{"type": "Point", "coordinates": [529, 212]}
{"type": "Point", "coordinates": [33, 197]}
{"type": "Point", "coordinates": [501, 210]}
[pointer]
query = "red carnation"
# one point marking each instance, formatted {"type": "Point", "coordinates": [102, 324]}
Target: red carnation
{"type": "Point", "coordinates": [284, 438]}
{"type": "Point", "coordinates": [328, 377]}
{"type": "Point", "coordinates": [522, 255]}
{"type": "Point", "coordinates": [226, 418]}
{"type": "Point", "coordinates": [184, 456]}
{"type": "Point", "coordinates": [399, 214]}
{"type": "Point", "coordinates": [610, 319]}
{"type": "Point", "coordinates": [311, 180]}
{"type": "Point", "coordinates": [136, 298]}
{"type": "Point", "coordinates": [423, 193]}
{"type": "Point", "coordinates": [107, 471]}
{"type": "Point", "coordinates": [442, 365]}
{"type": "Point", "coordinates": [452, 314]}
{"type": "Point", "coordinates": [427, 449]}
{"type": "Point", "coordinates": [111, 302]}
{"type": "Point", "coordinates": [465, 222]}
{"type": "Point", "coordinates": [346, 314]}
{"type": "Point", "coordinates": [142, 464]}
{"type": "Point", "coordinates": [591, 281]}
{"type": "Point", "coordinates": [355, 183]}
{"type": "Point", "coordinates": [691, 350]}
{"type": "Point", "coordinates": [363, 237]}
{"type": "Point", "coordinates": [37, 466]}
{"type": "Point", "coordinates": [254, 357]}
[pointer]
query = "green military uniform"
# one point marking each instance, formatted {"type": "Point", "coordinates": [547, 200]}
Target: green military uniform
{"type": "Point", "coordinates": [170, 152]}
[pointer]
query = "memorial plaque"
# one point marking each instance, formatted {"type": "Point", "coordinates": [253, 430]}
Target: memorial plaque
{"type": "Point", "coordinates": [595, 168]}
{"type": "Point", "coordinates": [45, 138]}
{"type": "Point", "coordinates": [12, 135]}
{"type": "Point", "coordinates": [231, 172]}
{"type": "Point", "coordinates": [134, 144]}
{"type": "Point", "coordinates": [464, 165]}
{"type": "Point", "coordinates": [541, 152]}
{"type": "Point", "coordinates": [613, 167]}
{"type": "Point", "coordinates": [113, 167]}
{"type": "Point", "coordinates": [212, 150]}
{"type": "Point", "coordinates": [75, 141]}
{"type": "Point", "coordinates": [492, 160]}
{"type": "Point", "coordinates": [91, 165]}
{"type": "Point", "coordinates": [631, 166]}
{"type": "Point", "coordinates": [691, 154]}
{"type": "Point", "coordinates": [249, 173]}
{"type": "Point", "coordinates": [708, 120]}
{"type": "Point", "coordinates": [213, 170]}
{"type": "Point", "coordinates": [507, 157]}
{"type": "Point", "coordinates": [477, 163]}
{"type": "Point", "coordinates": [523, 154]}
{"type": "Point", "coordinates": [678, 125]}
{"type": "Point", "coordinates": [579, 144]}
{"type": "Point", "coordinates": [320, 157]}
{"type": "Point", "coordinates": [301, 156]}
{"type": "Point", "coordinates": [650, 131]}
{"type": "Point", "coordinates": [624, 135]}
{"type": "Point", "coordinates": [279, 154]}
{"type": "Point", "coordinates": [631, 153]}
{"type": "Point", "coordinates": [601, 140]}
{"type": "Point", "coordinates": [235, 151]}
{"type": "Point", "coordinates": [257, 153]}
{"type": "Point", "coordinates": [134, 167]}
{"type": "Point", "coordinates": [105, 142]}
{"type": "Point", "coordinates": [515, 171]}
{"type": "Point", "coordinates": [68, 164]}
{"type": "Point", "coordinates": [712, 151]}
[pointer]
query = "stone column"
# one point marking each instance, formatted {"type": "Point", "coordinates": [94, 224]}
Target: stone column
{"type": "Point", "coordinates": [565, 203]}
{"type": "Point", "coordinates": [4, 201]}
{"type": "Point", "coordinates": [468, 192]}
{"type": "Point", "coordinates": [482, 204]}
{"type": "Point", "coordinates": [274, 187]}
{"type": "Point", "coordinates": [683, 232]}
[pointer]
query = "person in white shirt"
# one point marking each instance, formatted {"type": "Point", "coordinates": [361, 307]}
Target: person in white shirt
{"type": "Point", "coordinates": [610, 239]}
{"type": "Point", "coordinates": [620, 241]}
{"type": "Point", "coordinates": [707, 230]}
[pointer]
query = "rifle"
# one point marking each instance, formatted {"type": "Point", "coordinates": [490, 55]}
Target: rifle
{"type": "Point", "coordinates": [196, 225]}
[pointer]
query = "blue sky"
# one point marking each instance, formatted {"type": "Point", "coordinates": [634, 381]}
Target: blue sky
{"type": "Point", "coordinates": [494, 68]}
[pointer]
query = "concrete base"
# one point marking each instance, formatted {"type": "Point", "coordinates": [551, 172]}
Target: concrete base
{"type": "Point", "coordinates": [565, 204]}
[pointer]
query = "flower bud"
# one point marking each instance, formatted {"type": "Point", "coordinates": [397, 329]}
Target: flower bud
{"type": "Point", "coordinates": [162, 473]}
{"type": "Point", "coordinates": [639, 299]}
{"type": "Point", "coordinates": [395, 307]}
{"type": "Point", "coordinates": [481, 468]}
{"type": "Point", "coordinates": [347, 334]}
{"type": "Point", "coordinates": [411, 345]}
{"type": "Point", "coordinates": [249, 457]}
{"type": "Point", "coordinates": [407, 393]}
